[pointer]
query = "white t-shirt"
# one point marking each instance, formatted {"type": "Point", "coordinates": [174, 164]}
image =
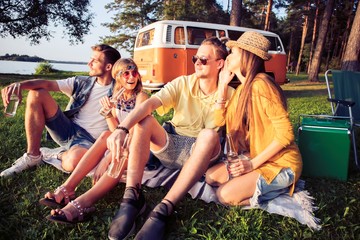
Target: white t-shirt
{"type": "Point", "coordinates": [88, 117]}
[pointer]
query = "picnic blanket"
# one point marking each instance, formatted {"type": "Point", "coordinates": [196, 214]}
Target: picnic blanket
{"type": "Point", "coordinates": [300, 206]}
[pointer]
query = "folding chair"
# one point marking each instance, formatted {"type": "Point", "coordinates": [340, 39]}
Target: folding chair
{"type": "Point", "coordinates": [324, 140]}
{"type": "Point", "coordinates": [346, 100]}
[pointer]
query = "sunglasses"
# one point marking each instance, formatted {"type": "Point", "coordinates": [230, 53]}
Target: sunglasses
{"type": "Point", "coordinates": [127, 74]}
{"type": "Point", "coordinates": [203, 60]}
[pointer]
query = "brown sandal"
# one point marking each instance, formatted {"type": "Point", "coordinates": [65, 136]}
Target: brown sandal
{"type": "Point", "coordinates": [59, 198]}
{"type": "Point", "coordinates": [67, 217]}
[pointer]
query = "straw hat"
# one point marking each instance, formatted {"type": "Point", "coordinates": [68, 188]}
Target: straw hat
{"type": "Point", "coordinates": [253, 42]}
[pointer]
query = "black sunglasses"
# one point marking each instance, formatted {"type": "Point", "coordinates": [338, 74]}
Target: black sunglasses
{"type": "Point", "coordinates": [203, 60]}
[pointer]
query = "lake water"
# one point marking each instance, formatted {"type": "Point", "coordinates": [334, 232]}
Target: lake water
{"type": "Point", "coordinates": [19, 67]}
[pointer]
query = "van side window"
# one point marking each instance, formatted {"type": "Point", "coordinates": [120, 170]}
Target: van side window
{"type": "Point", "coordinates": [179, 37]}
{"type": "Point", "coordinates": [197, 35]}
{"type": "Point", "coordinates": [221, 33]}
{"type": "Point", "coordinates": [234, 35]}
{"type": "Point", "coordinates": [275, 44]}
{"type": "Point", "coordinates": [145, 38]}
{"type": "Point", "coordinates": [168, 34]}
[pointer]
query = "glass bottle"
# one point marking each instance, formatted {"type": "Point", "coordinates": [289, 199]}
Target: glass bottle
{"type": "Point", "coordinates": [231, 154]}
{"type": "Point", "coordinates": [11, 108]}
{"type": "Point", "coordinates": [116, 165]}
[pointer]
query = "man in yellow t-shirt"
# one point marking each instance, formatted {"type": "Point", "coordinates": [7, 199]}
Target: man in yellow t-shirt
{"type": "Point", "coordinates": [187, 142]}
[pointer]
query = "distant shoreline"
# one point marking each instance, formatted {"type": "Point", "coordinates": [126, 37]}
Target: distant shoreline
{"type": "Point", "coordinates": [26, 58]}
{"type": "Point", "coordinates": [50, 61]}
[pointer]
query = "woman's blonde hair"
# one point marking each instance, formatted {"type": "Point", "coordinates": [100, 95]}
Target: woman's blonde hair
{"type": "Point", "coordinates": [122, 65]}
{"type": "Point", "coordinates": [251, 66]}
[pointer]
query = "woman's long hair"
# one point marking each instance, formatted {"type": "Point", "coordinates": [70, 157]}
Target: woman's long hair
{"type": "Point", "coordinates": [251, 66]}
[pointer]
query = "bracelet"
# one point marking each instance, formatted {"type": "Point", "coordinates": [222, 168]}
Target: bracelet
{"type": "Point", "coordinates": [221, 102]}
{"type": "Point", "coordinates": [123, 128]}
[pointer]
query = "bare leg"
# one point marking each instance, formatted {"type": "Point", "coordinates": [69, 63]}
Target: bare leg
{"type": "Point", "coordinates": [240, 196]}
{"type": "Point", "coordinates": [217, 175]}
{"type": "Point", "coordinates": [39, 106]}
{"type": "Point", "coordinates": [207, 146]}
{"type": "Point", "coordinates": [71, 158]}
{"type": "Point", "coordinates": [133, 203]}
{"type": "Point", "coordinates": [148, 130]}
{"type": "Point", "coordinates": [89, 160]}
{"type": "Point", "coordinates": [99, 190]}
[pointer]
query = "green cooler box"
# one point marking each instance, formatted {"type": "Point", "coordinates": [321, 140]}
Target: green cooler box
{"type": "Point", "coordinates": [325, 146]}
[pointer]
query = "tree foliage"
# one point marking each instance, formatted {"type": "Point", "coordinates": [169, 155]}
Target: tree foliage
{"type": "Point", "coordinates": [130, 16]}
{"type": "Point", "coordinates": [197, 11]}
{"type": "Point", "coordinates": [33, 18]}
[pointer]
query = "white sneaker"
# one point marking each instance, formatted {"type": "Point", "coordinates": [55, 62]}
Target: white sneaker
{"type": "Point", "coordinates": [51, 153]}
{"type": "Point", "coordinates": [24, 162]}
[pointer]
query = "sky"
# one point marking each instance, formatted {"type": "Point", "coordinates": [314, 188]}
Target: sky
{"type": "Point", "coordinates": [59, 48]}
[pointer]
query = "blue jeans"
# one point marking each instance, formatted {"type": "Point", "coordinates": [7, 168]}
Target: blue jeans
{"type": "Point", "coordinates": [265, 192]}
{"type": "Point", "coordinates": [67, 133]}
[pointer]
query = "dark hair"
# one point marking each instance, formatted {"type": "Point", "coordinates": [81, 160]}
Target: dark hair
{"type": "Point", "coordinates": [219, 45]}
{"type": "Point", "coordinates": [111, 54]}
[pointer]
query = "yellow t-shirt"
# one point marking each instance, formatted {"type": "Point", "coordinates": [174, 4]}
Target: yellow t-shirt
{"type": "Point", "coordinates": [270, 121]}
{"type": "Point", "coordinates": [193, 111]}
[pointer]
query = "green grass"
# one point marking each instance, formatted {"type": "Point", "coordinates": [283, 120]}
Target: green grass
{"type": "Point", "coordinates": [21, 217]}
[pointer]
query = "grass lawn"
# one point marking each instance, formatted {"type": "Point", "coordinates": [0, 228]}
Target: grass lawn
{"type": "Point", "coordinates": [21, 217]}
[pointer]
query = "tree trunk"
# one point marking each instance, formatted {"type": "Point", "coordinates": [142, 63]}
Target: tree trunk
{"type": "Point", "coordinates": [235, 15]}
{"type": "Point", "coordinates": [314, 34]}
{"type": "Point", "coordinates": [315, 63]}
{"type": "Point", "coordinates": [346, 33]}
{"type": "Point", "coordinates": [268, 13]}
{"type": "Point", "coordinates": [303, 37]}
{"type": "Point", "coordinates": [289, 58]}
{"type": "Point", "coordinates": [351, 57]}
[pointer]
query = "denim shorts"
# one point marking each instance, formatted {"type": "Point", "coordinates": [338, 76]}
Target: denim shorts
{"type": "Point", "coordinates": [177, 149]}
{"type": "Point", "coordinates": [66, 133]}
{"type": "Point", "coordinates": [265, 192]}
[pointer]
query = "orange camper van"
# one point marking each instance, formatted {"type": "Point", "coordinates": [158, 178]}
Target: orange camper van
{"type": "Point", "coordinates": [164, 49]}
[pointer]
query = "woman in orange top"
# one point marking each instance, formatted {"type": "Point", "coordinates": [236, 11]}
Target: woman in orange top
{"type": "Point", "coordinates": [258, 121]}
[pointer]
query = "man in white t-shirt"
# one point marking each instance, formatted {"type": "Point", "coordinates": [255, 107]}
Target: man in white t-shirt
{"type": "Point", "coordinates": [75, 129]}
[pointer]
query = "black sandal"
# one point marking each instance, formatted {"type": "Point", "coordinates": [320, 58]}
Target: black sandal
{"type": "Point", "coordinates": [67, 196]}
{"type": "Point", "coordinates": [65, 216]}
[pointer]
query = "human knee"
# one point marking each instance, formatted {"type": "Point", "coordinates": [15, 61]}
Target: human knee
{"type": "Point", "coordinates": [209, 136]}
{"type": "Point", "coordinates": [223, 196]}
{"type": "Point", "coordinates": [36, 95]}
{"type": "Point", "coordinates": [148, 121]}
{"type": "Point", "coordinates": [210, 179]}
{"type": "Point", "coordinates": [71, 158]}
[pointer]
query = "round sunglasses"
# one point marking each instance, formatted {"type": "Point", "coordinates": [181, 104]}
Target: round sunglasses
{"type": "Point", "coordinates": [127, 74]}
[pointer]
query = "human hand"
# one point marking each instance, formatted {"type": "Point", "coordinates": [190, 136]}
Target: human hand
{"type": "Point", "coordinates": [10, 89]}
{"type": "Point", "coordinates": [106, 102]}
{"type": "Point", "coordinates": [240, 167]}
{"type": "Point", "coordinates": [115, 142]}
{"type": "Point", "coordinates": [101, 168]}
{"type": "Point", "coordinates": [225, 76]}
